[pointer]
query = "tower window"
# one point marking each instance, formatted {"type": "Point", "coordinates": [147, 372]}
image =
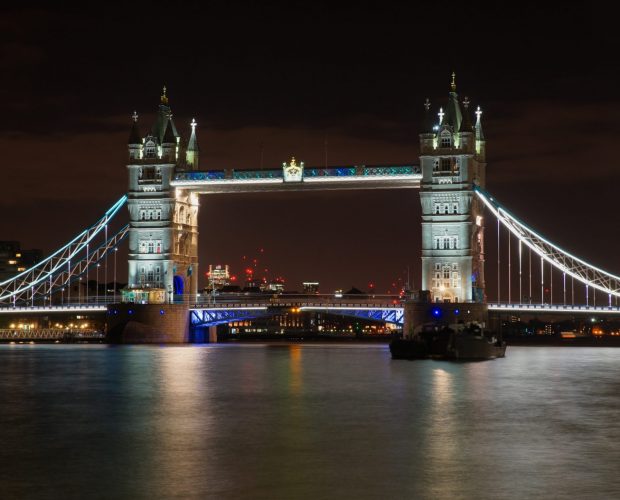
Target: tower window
{"type": "Point", "coordinates": [455, 208]}
{"type": "Point", "coordinates": [150, 246]}
{"type": "Point", "coordinates": [446, 139]}
{"type": "Point", "coordinates": [446, 164]}
{"type": "Point", "coordinates": [446, 273]}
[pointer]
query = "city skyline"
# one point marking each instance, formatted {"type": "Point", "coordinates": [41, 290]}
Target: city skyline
{"type": "Point", "coordinates": [547, 126]}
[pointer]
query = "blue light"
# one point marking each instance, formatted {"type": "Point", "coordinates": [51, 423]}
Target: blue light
{"type": "Point", "coordinates": [161, 311]}
{"type": "Point", "coordinates": [456, 311]}
{"type": "Point", "coordinates": [130, 311]}
{"type": "Point", "coordinates": [436, 312]}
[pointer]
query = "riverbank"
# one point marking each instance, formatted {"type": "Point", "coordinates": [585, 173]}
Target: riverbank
{"type": "Point", "coordinates": [540, 340]}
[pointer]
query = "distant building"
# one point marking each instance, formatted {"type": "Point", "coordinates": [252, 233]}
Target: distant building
{"type": "Point", "coordinates": [14, 260]}
{"type": "Point", "coordinates": [219, 276]}
{"type": "Point", "coordinates": [311, 286]}
{"type": "Point", "coordinates": [276, 286]}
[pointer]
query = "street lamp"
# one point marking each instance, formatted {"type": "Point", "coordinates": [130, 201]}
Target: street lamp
{"type": "Point", "coordinates": [115, 250]}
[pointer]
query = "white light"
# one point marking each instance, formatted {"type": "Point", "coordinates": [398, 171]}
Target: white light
{"type": "Point", "coordinates": [517, 228]}
{"type": "Point", "coordinates": [365, 178]}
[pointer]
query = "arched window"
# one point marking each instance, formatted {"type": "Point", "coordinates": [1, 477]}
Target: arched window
{"type": "Point", "coordinates": [436, 208]}
{"type": "Point", "coordinates": [446, 208]}
{"type": "Point", "coordinates": [446, 274]}
{"type": "Point", "coordinates": [455, 208]}
{"type": "Point", "coordinates": [150, 150]}
{"type": "Point", "coordinates": [446, 139]}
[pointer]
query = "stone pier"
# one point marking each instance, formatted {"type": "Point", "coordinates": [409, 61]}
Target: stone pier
{"type": "Point", "coordinates": [148, 323]}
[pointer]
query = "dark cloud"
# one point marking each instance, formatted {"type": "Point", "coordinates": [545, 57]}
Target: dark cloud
{"type": "Point", "coordinates": [285, 78]}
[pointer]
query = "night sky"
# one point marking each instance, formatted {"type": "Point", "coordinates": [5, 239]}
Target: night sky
{"type": "Point", "coordinates": [546, 77]}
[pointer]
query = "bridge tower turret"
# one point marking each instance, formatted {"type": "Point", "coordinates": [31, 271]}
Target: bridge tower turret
{"type": "Point", "coordinates": [163, 234]}
{"type": "Point", "coordinates": [452, 159]}
{"type": "Point", "coordinates": [192, 153]}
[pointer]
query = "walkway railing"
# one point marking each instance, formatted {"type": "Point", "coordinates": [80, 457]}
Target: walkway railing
{"type": "Point", "coordinates": [50, 334]}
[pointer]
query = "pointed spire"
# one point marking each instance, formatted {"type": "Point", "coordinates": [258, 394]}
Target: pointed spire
{"type": "Point", "coordinates": [134, 135]}
{"type": "Point", "coordinates": [169, 137]}
{"type": "Point", "coordinates": [192, 153]}
{"type": "Point", "coordinates": [193, 142]}
{"type": "Point", "coordinates": [164, 119]}
{"type": "Point", "coordinates": [479, 134]}
{"type": "Point", "coordinates": [453, 109]}
{"type": "Point", "coordinates": [466, 125]}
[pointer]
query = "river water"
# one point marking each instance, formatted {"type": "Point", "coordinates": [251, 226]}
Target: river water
{"type": "Point", "coordinates": [312, 421]}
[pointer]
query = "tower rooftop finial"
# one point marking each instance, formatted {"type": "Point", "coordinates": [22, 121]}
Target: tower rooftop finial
{"type": "Point", "coordinates": [164, 97]}
{"type": "Point", "coordinates": [453, 82]}
{"type": "Point", "coordinates": [135, 116]}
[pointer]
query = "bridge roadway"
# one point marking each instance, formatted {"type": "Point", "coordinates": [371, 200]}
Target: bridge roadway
{"type": "Point", "coordinates": [349, 177]}
{"type": "Point", "coordinates": [305, 303]}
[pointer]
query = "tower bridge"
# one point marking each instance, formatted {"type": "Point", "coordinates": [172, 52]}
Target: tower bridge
{"type": "Point", "coordinates": [166, 180]}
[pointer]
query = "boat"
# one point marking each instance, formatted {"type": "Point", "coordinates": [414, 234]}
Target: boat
{"type": "Point", "coordinates": [474, 343]}
{"type": "Point", "coordinates": [451, 342]}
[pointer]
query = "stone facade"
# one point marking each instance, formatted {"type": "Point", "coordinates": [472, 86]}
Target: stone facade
{"type": "Point", "coordinates": [452, 160]}
{"type": "Point", "coordinates": [163, 235]}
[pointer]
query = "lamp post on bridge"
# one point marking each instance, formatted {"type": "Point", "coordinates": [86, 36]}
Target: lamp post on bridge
{"type": "Point", "coordinates": [115, 251]}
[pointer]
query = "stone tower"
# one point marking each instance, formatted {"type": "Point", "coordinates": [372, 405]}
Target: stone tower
{"type": "Point", "coordinates": [163, 235]}
{"type": "Point", "coordinates": [452, 159]}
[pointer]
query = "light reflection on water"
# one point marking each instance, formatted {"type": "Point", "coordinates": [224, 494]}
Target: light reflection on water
{"type": "Point", "coordinates": [306, 421]}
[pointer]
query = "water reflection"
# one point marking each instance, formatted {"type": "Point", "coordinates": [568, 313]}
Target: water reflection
{"type": "Point", "coordinates": [306, 421]}
{"type": "Point", "coordinates": [295, 380]}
